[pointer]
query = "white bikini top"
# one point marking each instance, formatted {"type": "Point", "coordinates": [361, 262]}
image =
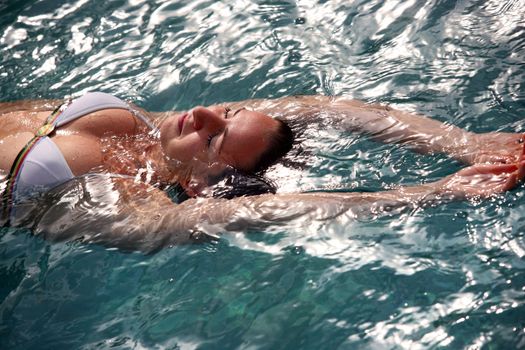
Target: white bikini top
{"type": "Point", "coordinates": [44, 166]}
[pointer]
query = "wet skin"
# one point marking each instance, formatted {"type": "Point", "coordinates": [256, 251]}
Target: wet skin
{"type": "Point", "coordinates": [142, 217]}
{"type": "Point", "coordinates": [195, 140]}
{"type": "Point", "coordinates": [217, 135]}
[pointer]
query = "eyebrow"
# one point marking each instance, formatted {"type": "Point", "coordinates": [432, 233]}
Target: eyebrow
{"type": "Point", "coordinates": [237, 111]}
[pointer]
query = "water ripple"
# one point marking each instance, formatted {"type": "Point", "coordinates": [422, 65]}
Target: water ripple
{"type": "Point", "coordinates": [449, 276]}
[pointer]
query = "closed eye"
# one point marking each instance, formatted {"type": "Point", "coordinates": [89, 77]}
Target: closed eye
{"type": "Point", "coordinates": [226, 111]}
{"type": "Point", "coordinates": [210, 138]}
{"type": "Point", "coordinates": [208, 141]}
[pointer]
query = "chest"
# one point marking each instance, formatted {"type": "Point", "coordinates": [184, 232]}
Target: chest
{"type": "Point", "coordinates": [111, 139]}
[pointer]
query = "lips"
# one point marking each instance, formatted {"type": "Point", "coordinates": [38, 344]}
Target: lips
{"type": "Point", "coordinates": [182, 118]}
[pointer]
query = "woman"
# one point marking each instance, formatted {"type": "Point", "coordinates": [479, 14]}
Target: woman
{"type": "Point", "coordinates": [92, 132]}
{"type": "Point", "coordinates": [130, 158]}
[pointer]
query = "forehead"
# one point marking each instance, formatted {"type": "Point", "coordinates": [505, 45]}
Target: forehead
{"type": "Point", "coordinates": [248, 136]}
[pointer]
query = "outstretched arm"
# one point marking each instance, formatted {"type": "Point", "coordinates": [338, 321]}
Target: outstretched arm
{"type": "Point", "coordinates": [389, 125]}
{"type": "Point", "coordinates": [120, 212]}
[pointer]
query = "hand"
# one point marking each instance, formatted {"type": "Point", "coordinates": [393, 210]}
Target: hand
{"type": "Point", "coordinates": [497, 147]}
{"type": "Point", "coordinates": [483, 180]}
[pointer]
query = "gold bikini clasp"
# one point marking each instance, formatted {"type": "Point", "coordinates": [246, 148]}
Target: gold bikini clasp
{"type": "Point", "coordinates": [45, 130]}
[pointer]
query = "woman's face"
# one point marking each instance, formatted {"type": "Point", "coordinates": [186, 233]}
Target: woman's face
{"type": "Point", "coordinates": [217, 135]}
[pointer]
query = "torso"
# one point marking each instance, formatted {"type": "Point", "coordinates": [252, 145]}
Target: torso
{"type": "Point", "coordinates": [111, 140]}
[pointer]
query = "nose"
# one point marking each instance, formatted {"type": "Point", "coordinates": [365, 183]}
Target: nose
{"type": "Point", "coordinates": [204, 118]}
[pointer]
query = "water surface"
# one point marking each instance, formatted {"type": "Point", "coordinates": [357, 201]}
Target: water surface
{"type": "Point", "coordinates": [452, 276]}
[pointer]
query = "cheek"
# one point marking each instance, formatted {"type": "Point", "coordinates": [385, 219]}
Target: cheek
{"type": "Point", "coordinates": [184, 149]}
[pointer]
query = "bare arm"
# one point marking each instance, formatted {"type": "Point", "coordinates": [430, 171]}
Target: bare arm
{"type": "Point", "coordinates": [121, 213]}
{"type": "Point", "coordinates": [383, 123]}
{"type": "Point", "coordinates": [389, 125]}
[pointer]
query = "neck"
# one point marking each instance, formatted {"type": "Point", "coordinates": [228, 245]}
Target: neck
{"type": "Point", "coordinates": [161, 167]}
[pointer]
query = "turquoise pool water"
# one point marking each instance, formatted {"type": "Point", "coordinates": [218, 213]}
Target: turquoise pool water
{"type": "Point", "coordinates": [450, 277]}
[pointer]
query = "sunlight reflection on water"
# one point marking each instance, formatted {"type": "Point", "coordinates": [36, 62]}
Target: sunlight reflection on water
{"type": "Point", "coordinates": [450, 276]}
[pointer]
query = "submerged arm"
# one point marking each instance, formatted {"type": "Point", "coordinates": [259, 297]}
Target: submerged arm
{"type": "Point", "coordinates": [135, 216]}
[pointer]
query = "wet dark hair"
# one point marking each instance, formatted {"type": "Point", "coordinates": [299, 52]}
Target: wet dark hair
{"type": "Point", "coordinates": [231, 184]}
{"type": "Point", "coordinates": [237, 184]}
{"type": "Point", "coordinates": [281, 142]}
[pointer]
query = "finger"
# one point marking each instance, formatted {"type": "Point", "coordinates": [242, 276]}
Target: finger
{"type": "Point", "coordinates": [522, 155]}
{"type": "Point", "coordinates": [511, 182]}
{"type": "Point", "coordinates": [521, 170]}
{"type": "Point", "coordinates": [497, 169]}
